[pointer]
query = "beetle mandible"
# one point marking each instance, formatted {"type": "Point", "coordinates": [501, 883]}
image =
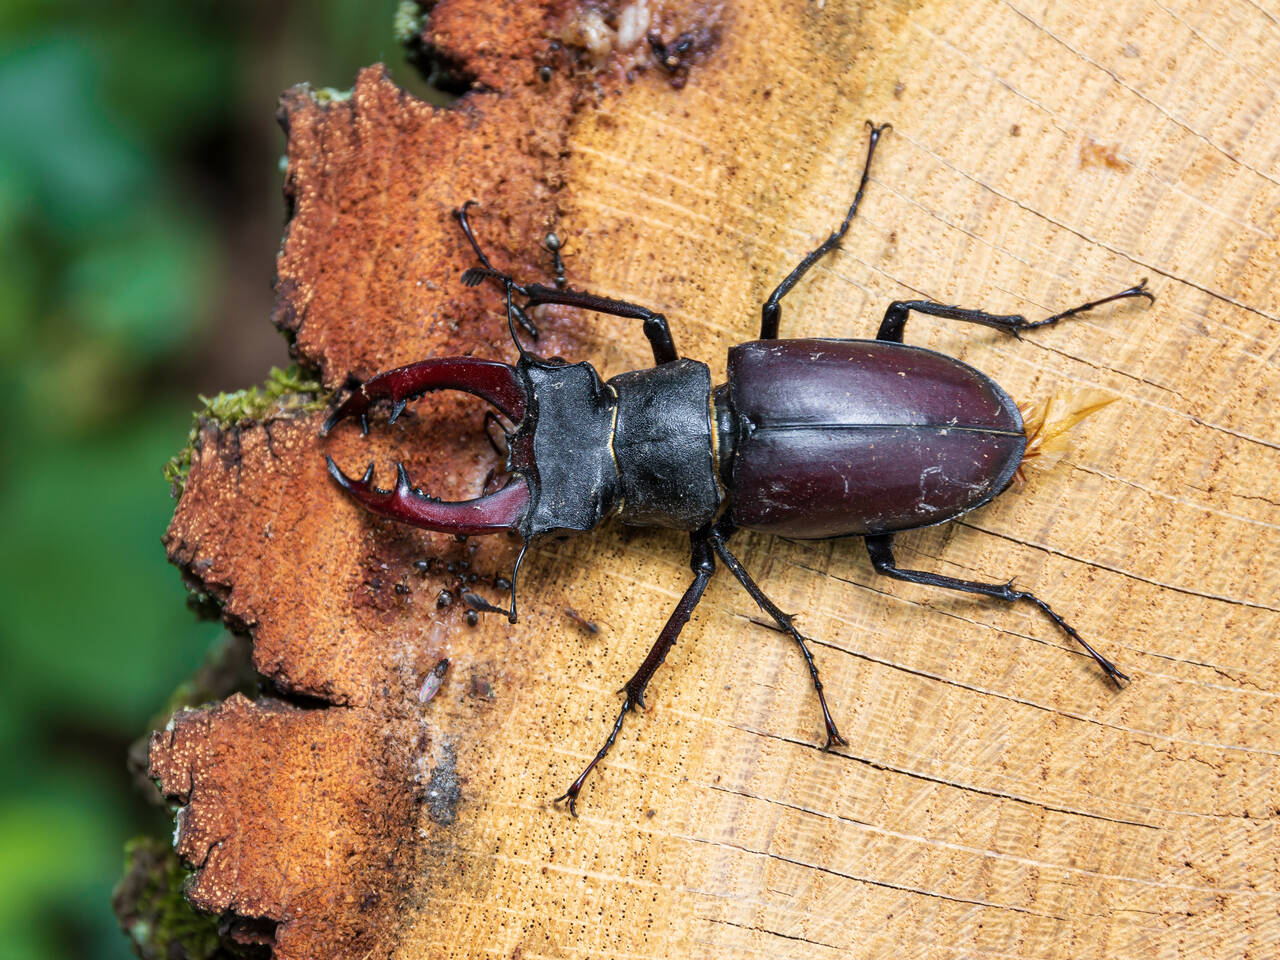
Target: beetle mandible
{"type": "Point", "coordinates": [808, 439]}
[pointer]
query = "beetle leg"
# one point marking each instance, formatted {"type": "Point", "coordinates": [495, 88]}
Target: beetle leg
{"type": "Point", "coordinates": [771, 312]}
{"type": "Point", "coordinates": [491, 418]}
{"type": "Point", "coordinates": [703, 563]}
{"type": "Point", "coordinates": [783, 620]}
{"type": "Point", "coordinates": [656, 327]}
{"type": "Point", "coordinates": [880, 549]}
{"type": "Point", "coordinates": [895, 318]}
{"type": "Point", "coordinates": [524, 319]}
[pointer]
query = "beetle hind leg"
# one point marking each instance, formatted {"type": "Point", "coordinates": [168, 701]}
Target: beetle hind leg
{"type": "Point", "coordinates": [880, 549]}
{"type": "Point", "coordinates": [895, 317]}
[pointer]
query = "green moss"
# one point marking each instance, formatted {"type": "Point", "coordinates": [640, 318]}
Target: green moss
{"type": "Point", "coordinates": [285, 392]}
{"type": "Point", "coordinates": [408, 22]}
{"type": "Point", "coordinates": [327, 95]}
{"type": "Point", "coordinates": [150, 905]}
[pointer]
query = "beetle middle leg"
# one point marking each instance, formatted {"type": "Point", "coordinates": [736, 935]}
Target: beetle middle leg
{"type": "Point", "coordinates": [771, 312]}
{"type": "Point", "coordinates": [720, 533]}
{"type": "Point", "coordinates": [880, 549]}
{"type": "Point", "coordinates": [703, 564]}
{"type": "Point", "coordinates": [895, 317]}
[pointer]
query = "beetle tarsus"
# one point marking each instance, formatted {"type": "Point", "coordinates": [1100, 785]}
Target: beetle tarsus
{"type": "Point", "coordinates": [1109, 668]}
{"type": "Point", "coordinates": [576, 787]}
{"type": "Point", "coordinates": [1138, 290]}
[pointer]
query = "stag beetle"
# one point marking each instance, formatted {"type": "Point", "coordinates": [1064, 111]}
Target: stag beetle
{"type": "Point", "coordinates": [808, 439]}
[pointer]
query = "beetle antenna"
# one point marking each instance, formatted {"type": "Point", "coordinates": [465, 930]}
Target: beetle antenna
{"type": "Point", "coordinates": [514, 313]}
{"type": "Point", "coordinates": [554, 245]}
{"type": "Point", "coordinates": [515, 573]}
{"type": "Point", "coordinates": [476, 602]}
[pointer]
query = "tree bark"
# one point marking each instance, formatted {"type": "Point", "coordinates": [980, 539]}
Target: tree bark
{"type": "Point", "coordinates": [997, 797]}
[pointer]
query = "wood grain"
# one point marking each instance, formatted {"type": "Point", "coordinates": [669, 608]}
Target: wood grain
{"type": "Point", "coordinates": [997, 797]}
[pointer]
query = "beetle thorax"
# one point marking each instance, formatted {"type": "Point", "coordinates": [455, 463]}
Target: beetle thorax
{"type": "Point", "coordinates": [639, 447]}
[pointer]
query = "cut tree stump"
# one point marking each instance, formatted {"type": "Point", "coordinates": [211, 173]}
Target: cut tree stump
{"type": "Point", "coordinates": [997, 797]}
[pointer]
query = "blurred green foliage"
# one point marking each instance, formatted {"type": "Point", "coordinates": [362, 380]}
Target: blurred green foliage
{"type": "Point", "coordinates": [135, 153]}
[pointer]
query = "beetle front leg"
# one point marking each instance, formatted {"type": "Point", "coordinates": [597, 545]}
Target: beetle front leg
{"type": "Point", "coordinates": [704, 564]}
{"type": "Point", "coordinates": [656, 328]}
{"type": "Point", "coordinates": [895, 318]}
{"type": "Point", "coordinates": [880, 548]}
